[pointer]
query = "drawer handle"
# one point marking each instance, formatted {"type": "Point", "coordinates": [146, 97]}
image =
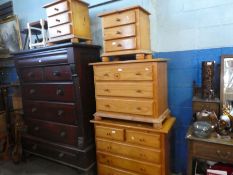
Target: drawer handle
{"type": "Point", "coordinates": [108, 134]}
{"type": "Point", "coordinates": [143, 169]}
{"type": "Point", "coordinates": [118, 19]}
{"type": "Point", "coordinates": [56, 73]}
{"type": "Point", "coordinates": [30, 74]}
{"type": "Point", "coordinates": [63, 134]}
{"type": "Point", "coordinates": [138, 73]}
{"type": "Point", "coordinates": [56, 9]}
{"type": "Point", "coordinates": [32, 91]}
{"type": "Point", "coordinates": [107, 106]}
{"type": "Point", "coordinates": [34, 110]}
{"type": "Point", "coordinates": [139, 108]}
{"type": "Point", "coordinates": [58, 20]}
{"type": "Point", "coordinates": [36, 128]}
{"type": "Point", "coordinates": [60, 113]}
{"type": "Point", "coordinates": [59, 92]}
{"type": "Point", "coordinates": [106, 75]}
{"type": "Point", "coordinates": [106, 90]}
{"type": "Point", "coordinates": [109, 147]}
{"type": "Point", "coordinates": [225, 155]}
{"type": "Point", "coordinates": [139, 91]}
{"type": "Point", "coordinates": [142, 140]}
{"type": "Point", "coordinates": [34, 147]}
{"type": "Point", "coordinates": [119, 45]}
{"type": "Point", "coordinates": [118, 32]}
{"type": "Point", "coordinates": [60, 155]}
{"type": "Point", "coordinates": [108, 161]}
{"type": "Point", "coordinates": [58, 31]}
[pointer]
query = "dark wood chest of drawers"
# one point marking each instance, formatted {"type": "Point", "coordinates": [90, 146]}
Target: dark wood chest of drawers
{"type": "Point", "coordinates": [58, 102]}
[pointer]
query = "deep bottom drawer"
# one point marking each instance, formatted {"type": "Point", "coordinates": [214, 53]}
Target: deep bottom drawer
{"type": "Point", "coordinates": [73, 157]}
{"type": "Point", "coordinates": [140, 167]}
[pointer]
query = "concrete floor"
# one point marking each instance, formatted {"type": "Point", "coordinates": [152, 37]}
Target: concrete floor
{"type": "Point", "coordinates": [35, 166]}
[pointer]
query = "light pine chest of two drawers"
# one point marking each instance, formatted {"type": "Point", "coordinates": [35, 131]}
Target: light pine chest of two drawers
{"type": "Point", "coordinates": [132, 90]}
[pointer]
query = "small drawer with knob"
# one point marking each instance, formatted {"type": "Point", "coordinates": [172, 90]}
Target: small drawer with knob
{"type": "Point", "coordinates": [60, 30]}
{"type": "Point", "coordinates": [124, 89]}
{"type": "Point", "coordinates": [57, 8]}
{"type": "Point", "coordinates": [59, 19]}
{"type": "Point", "coordinates": [120, 44]}
{"type": "Point", "coordinates": [143, 138]}
{"type": "Point", "coordinates": [125, 72]}
{"type": "Point", "coordinates": [51, 111]}
{"type": "Point", "coordinates": [129, 150]}
{"type": "Point", "coordinates": [135, 166]}
{"type": "Point", "coordinates": [127, 106]}
{"type": "Point", "coordinates": [58, 73]}
{"type": "Point", "coordinates": [31, 74]}
{"type": "Point", "coordinates": [55, 132]}
{"type": "Point", "coordinates": [109, 133]}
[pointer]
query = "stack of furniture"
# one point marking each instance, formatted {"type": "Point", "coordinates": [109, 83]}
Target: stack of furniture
{"type": "Point", "coordinates": [58, 102]}
{"type": "Point", "coordinates": [68, 20]}
{"type": "Point", "coordinates": [132, 122]}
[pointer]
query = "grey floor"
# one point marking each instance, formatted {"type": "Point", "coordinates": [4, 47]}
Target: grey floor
{"type": "Point", "coordinates": [35, 166]}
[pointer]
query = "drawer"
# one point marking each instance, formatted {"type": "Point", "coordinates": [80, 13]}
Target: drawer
{"type": "Point", "coordinates": [129, 106]}
{"type": "Point", "coordinates": [109, 133]}
{"type": "Point", "coordinates": [60, 153]}
{"type": "Point", "coordinates": [59, 19]}
{"type": "Point", "coordinates": [124, 89]}
{"type": "Point", "coordinates": [140, 167]}
{"type": "Point", "coordinates": [199, 106]}
{"type": "Point", "coordinates": [54, 132]}
{"type": "Point", "coordinates": [107, 170]}
{"type": "Point", "coordinates": [143, 138]}
{"type": "Point", "coordinates": [133, 71]}
{"type": "Point", "coordinates": [120, 18]}
{"type": "Point", "coordinates": [58, 73]}
{"type": "Point", "coordinates": [31, 74]}
{"type": "Point", "coordinates": [65, 29]}
{"type": "Point", "coordinates": [120, 32]}
{"type": "Point", "coordinates": [130, 151]}
{"type": "Point", "coordinates": [215, 152]}
{"type": "Point", "coordinates": [57, 92]}
{"type": "Point", "coordinates": [50, 111]}
{"type": "Point", "coordinates": [120, 44]}
{"type": "Point", "coordinates": [57, 8]}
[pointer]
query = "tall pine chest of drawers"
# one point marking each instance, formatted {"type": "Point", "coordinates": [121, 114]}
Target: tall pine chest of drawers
{"type": "Point", "coordinates": [58, 102]}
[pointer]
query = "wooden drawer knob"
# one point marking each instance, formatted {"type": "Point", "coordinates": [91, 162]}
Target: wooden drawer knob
{"type": "Point", "coordinates": [34, 110]}
{"type": "Point", "coordinates": [108, 161]}
{"type": "Point", "coordinates": [36, 128]}
{"type": "Point", "coordinates": [118, 19]}
{"type": "Point", "coordinates": [59, 92]}
{"type": "Point", "coordinates": [30, 74]}
{"type": "Point", "coordinates": [142, 140]}
{"type": "Point", "coordinates": [142, 169]}
{"type": "Point", "coordinates": [56, 73]}
{"type": "Point", "coordinates": [60, 155]}
{"type": "Point", "coordinates": [106, 90]}
{"type": "Point", "coordinates": [108, 134]}
{"type": "Point", "coordinates": [119, 45]}
{"type": "Point", "coordinates": [106, 74]}
{"type": "Point", "coordinates": [138, 91]}
{"type": "Point", "coordinates": [58, 20]}
{"type": "Point", "coordinates": [138, 73]}
{"type": "Point", "coordinates": [32, 91]}
{"type": "Point", "coordinates": [118, 32]}
{"type": "Point", "coordinates": [63, 134]}
{"type": "Point", "coordinates": [139, 108]}
{"type": "Point", "coordinates": [60, 113]}
{"type": "Point", "coordinates": [107, 106]}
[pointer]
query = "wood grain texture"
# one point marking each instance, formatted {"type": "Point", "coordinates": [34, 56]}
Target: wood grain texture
{"type": "Point", "coordinates": [108, 170]}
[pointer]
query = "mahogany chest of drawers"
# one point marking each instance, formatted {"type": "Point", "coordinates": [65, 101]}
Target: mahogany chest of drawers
{"type": "Point", "coordinates": [129, 148]}
{"type": "Point", "coordinates": [58, 102]}
{"type": "Point", "coordinates": [68, 19]}
{"type": "Point", "coordinates": [131, 90]}
{"type": "Point", "coordinates": [126, 31]}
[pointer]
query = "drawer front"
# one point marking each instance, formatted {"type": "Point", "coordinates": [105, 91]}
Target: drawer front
{"type": "Point", "coordinates": [58, 73]}
{"type": "Point", "coordinates": [199, 106]}
{"type": "Point", "coordinates": [31, 74]}
{"type": "Point", "coordinates": [54, 132]}
{"type": "Point", "coordinates": [59, 19]}
{"type": "Point", "coordinates": [107, 170]}
{"type": "Point", "coordinates": [124, 72]}
{"type": "Point", "coordinates": [125, 89]}
{"type": "Point", "coordinates": [57, 92]}
{"type": "Point", "coordinates": [132, 106]}
{"type": "Point", "coordinates": [109, 133]}
{"type": "Point", "coordinates": [216, 152]}
{"type": "Point", "coordinates": [143, 138]}
{"type": "Point", "coordinates": [65, 29]}
{"type": "Point", "coordinates": [118, 19]}
{"type": "Point", "coordinates": [129, 164]}
{"type": "Point", "coordinates": [57, 8]}
{"type": "Point", "coordinates": [120, 44]}
{"type": "Point", "coordinates": [50, 111]}
{"type": "Point", "coordinates": [120, 32]}
{"type": "Point", "coordinates": [131, 151]}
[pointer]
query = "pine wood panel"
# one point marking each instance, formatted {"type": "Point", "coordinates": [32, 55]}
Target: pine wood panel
{"type": "Point", "coordinates": [107, 170]}
{"type": "Point", "coordinates": [143, 138]}
{"type": "Point", "coordinates": [140, 167]}
{"type": "Point", "coordinates": [57, 8]}
{"type": "Point", "coordinates": [132, 106]}
{"type": "Point", "coordinates": [59, 19]}
{"type": "Point", "coordinates": [120, 32]}
{"type": "Point", "coordinates": [125, 89]}
{"type": "Point", "coordinates": [132, 71]}
{"type": "Point", "coordinates": [131, 151]}
{"type": "Point", "coordinates": [120, 44]}
{"type": "Point", "coordinates": [109, 133]}
{"type": "Point", "coordinates": [120, 18]}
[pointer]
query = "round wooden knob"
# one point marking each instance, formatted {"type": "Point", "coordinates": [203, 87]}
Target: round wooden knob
{"type": "Point", "coordinates": [34, 110]}
{"type": "Point", "coordinates": [60, 113]}
{"type": "Point", "coordinates": [60, 155]}
{"type": "Point", "coordinates": [63, 134]}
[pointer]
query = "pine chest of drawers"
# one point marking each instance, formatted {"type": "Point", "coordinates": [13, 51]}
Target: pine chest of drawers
{"type": "Point", "coordinates": [68, 19]}
{"type": "Point", "coordinates": [126, 31]}
{"type": "Point", "coordinates": [58, 101]}
{"type": "Point", "coordinates": [131, 90]}
{"type": "Point", "coordinates": [129, 148]}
